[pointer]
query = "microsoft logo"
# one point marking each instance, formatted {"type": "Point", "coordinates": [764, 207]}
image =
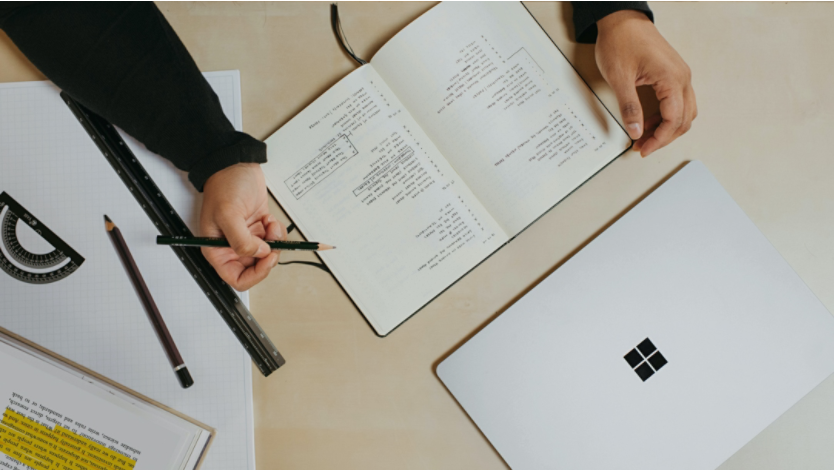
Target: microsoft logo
{"type": "Point", "coordinates": [645, 359]}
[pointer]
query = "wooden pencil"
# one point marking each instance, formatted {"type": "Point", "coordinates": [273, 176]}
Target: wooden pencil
{"type": "Point", "coordinates": [145, 297]}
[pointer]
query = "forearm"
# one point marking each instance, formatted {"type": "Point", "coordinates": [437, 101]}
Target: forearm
{"type": "Point", "coordinates": [124, 62]}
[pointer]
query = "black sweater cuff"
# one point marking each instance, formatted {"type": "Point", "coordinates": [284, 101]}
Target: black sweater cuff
{"type": "Point", "coordinates": [246, 150]}
{"type": "Point", "coordinates": [586, 15]}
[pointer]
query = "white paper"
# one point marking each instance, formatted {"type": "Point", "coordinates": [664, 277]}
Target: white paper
{"type": "Point", "coordinates": [51, 166]}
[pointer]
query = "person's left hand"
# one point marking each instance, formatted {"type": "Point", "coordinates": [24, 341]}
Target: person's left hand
{"type": "Point", "coordinates": [630, 52]}
{"type": "Point", "coordinates": [235, 207]}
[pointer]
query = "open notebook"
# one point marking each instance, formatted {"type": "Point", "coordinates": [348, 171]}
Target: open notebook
{"type": "Point", "coordinates": [60, 416]}
{"type": "Point", "coordinates": [51, 167]}
{"type": "Point", "coordinates": [464, 129]}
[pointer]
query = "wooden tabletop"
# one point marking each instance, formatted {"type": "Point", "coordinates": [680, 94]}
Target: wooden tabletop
{"type": "Point", "coordinates": [347, 399]}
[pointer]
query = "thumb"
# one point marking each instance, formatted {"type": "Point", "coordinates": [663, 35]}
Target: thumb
{"type": "Point", "coordinates": [240, 238]}
{"type": "Point", "coordinates": [630, 108]}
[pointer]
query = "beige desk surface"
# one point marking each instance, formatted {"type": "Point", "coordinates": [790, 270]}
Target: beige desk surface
{"type": "Point", "coordinates": [347, 399]}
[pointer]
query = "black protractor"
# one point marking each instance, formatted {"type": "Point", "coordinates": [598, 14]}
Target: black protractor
{"type": "Point", "coordinates": [22, 255]}
{"type": "Point", "coordinates": [24, 265]}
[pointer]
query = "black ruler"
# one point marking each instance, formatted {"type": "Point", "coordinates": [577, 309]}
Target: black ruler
{"type": "Point", "coordinates": [168, 222]}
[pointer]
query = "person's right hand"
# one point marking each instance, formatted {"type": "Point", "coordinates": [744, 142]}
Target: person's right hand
{"type": "Point", "coordinates": [235, 207]}
{"type": "Point", "coordinates": [631, 52]}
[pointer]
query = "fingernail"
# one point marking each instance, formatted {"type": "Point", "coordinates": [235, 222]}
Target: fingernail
{"type": "Point", "coordinates": [277, 258]}
{"type": "Point", "coordinates": [634, 130]}
{"type": "Point", "coordinates": [263, 251]}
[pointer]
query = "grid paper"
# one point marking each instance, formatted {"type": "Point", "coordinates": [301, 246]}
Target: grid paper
{"type": "Point", "coordinates": [51, 167]}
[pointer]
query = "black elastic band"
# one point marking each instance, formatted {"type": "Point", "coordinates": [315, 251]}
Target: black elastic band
{"type": "Point", "coordinates": [308, 263]}
{"type": "Point", "coordinates": [321, 266]}
{"type": "Point", "coordinates": [340, 33]}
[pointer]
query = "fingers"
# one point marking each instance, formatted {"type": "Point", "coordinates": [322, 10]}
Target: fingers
{"type": "Point", "coordinates": [241, 277]}
{"type": "Point", "coordinates": [649, 126]}
{"type": "Point", "coordinates": [243, 272]}
{"type": "Point", "coordinates": [241, 239]}
{"type": "Point", "coordinates": [258, 229]}
{"type": "Point", "coordinates": [672, 114]}
{"type": "Point", "coordinates": [257, 273]}
{"type": "Point", "coordinates": [274, 230]}
{"type": "Point", "coordinates": [691, 106]}
{"type": "Point", "coordinates": [219, 256]}
{"type": "Point", "coordinates": [630, 107]}
{"type": "Point", "coordinates": [677, 111]}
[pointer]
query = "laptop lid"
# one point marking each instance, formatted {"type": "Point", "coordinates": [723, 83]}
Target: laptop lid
{"type": "Point", "coordinates": [669, 341]}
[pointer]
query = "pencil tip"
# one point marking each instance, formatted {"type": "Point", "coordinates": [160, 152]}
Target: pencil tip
{"type": "Point", "coordinates": [108, 224]}
{"type": "Point", "coordinates": [323, 247]}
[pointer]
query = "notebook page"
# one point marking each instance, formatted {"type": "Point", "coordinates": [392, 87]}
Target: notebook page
{"type": "Point", "coordinates": [502, 104]}
{"type": "Point", "coordinates": [51, 167]}
{"type": "Point", "coordinates": [355, 171]}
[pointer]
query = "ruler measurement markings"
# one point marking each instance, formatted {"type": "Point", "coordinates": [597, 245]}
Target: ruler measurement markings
{"type": "Point", "coordinates": [168, 222]}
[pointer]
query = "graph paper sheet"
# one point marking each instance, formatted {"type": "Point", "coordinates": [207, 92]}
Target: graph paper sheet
{"type": "Point", "coordinates": [51, 167]}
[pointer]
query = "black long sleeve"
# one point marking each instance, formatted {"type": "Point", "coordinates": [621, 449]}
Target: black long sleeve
{"type": "Point", "coordinates": [124, 62]}
{"type": "Point", "coordinates": [586, 15]}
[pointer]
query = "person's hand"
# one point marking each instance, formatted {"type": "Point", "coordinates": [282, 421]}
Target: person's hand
{"type": "Point", "coordinates": [630, 52]}
{"type": "Point", "coordinates": [235, 207]}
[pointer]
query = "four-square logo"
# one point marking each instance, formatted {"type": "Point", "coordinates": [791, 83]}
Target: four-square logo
{"type": "Point", "coordinates": [645, 359]}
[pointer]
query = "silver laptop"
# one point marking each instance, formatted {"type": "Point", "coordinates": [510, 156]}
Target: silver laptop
{"type": "Point", "coordinates": [668, 342]}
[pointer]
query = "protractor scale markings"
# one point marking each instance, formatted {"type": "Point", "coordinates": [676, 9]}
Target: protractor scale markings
{"type": "Point", "coordinates": [20, 263]}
